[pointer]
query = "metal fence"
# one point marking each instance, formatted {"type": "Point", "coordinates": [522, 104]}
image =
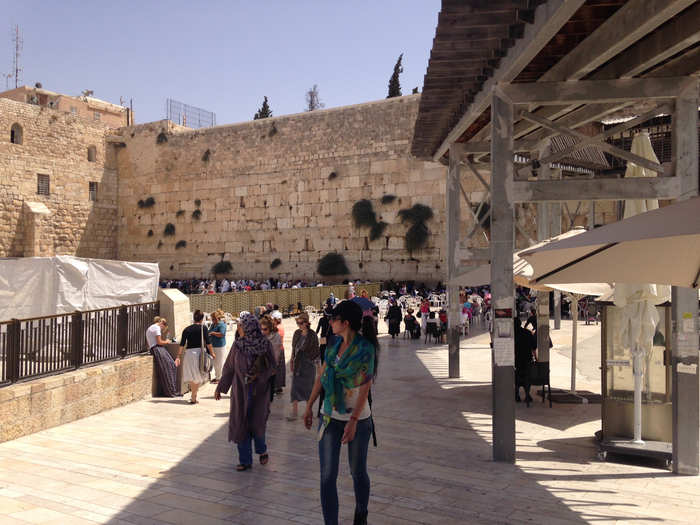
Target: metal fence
{"type": "Point", "coordinates": [236, 302]}
{"type": "Point", "coordinates": [40, 346]}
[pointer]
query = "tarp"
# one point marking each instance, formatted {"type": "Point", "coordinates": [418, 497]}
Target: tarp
{"type": "Point", "coordinates": [38, 286]}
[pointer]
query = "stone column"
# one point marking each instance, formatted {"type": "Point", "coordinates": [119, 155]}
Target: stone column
{"type": "Point", "coordinates": [37, 242]}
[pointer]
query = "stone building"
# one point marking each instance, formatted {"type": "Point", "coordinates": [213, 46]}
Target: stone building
{"type": "Point", "coordinates": [58, 195]}
{"type": "Point", "coordinates": [86, 107]}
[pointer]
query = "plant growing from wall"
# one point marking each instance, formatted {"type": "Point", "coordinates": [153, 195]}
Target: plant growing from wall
{"type": "Point", "coordinates": [197, 203]}
{"type": "Point", "coordinates": [377, 230]}
{"type": "Point", "coordinates": [222, 267]}
{"type": "Point", "coordinates": [196, 215]}
{"type": "Point", "coordinates": [332, 175]}
{"type": "Point", "coordinates": [146, 203]}
{"type": "Point", "coordinates": [180, 213]}
{"type": "Point", "coordinates": [169, 229]}
{"type": "Point", "coordinates": [388, 199]}
{"type": "Point", "coordinates": [418, 233]}
{"type": "Point", "coordinates": [275, 263]}
{"type": "Point", "coordinates": [160, 243]}
{"type": "Point", "coordinates": [363, 214]}
{"type": "Point", "coordinates": [180, 244]}
{"type": "Point", "coordinates": [205, 157]}
{"type": "Point", "coordinates": [150, 233]}
{"type": "Point", "coordinates": [162, 138]}
{"type": "Point", "coordinates": [332, 264]}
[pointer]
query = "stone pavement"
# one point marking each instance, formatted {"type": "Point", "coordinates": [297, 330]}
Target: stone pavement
{"type": "Point", "coordinates": [162, 461]}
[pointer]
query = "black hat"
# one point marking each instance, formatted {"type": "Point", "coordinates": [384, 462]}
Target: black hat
{"type": "Point", "coordinates": [349, 311]}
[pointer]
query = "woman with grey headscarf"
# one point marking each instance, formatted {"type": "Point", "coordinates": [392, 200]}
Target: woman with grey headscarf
{"type": "Point", "coordinates": [248, 371]}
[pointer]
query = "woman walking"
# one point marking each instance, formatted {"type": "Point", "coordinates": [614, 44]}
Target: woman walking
{"type": "Point", "coordinates": [281, 374]}
{"type": "Point", "coordinates": [165, 365]}
{"type": "Point", "coordinates": [194, 341]}
{"type": "Point", "coordinates": [393, 316]}
{"type": "Point", "coordinates": [247, 372]}
{"type": "Point", "coordinates": [218, 342]}
{"type": "Point", "coordinates": [305, 356]}
{"type": "Point", "coordinates": [269, 330]}
{"type": "Point", "coordinates": [346, 378]}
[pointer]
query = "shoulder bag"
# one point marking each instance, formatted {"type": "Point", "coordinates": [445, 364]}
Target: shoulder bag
{"type": "Point", "coordinates": [206, 361]}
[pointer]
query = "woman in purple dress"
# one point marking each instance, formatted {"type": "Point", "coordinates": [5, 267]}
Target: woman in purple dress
{"type": "Point", "coordinates": [248, 371]}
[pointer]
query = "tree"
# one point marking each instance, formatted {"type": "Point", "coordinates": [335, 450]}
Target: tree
{"type": "Point", "coordinates": [394, 84]}
{"type": "Point", "coordinates": [313, 101]}
{"type": "Point", "coordinates": [264, 111]}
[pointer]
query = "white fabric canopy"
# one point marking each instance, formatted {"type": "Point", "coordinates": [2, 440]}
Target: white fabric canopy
{"type": "Point", "coordinates": [659, 246]}
{"type": "Point", "coordinates": [38, 286]}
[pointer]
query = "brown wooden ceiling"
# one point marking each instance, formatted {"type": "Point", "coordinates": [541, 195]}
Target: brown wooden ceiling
{"type": "Point", "coordinates": [471, 38]}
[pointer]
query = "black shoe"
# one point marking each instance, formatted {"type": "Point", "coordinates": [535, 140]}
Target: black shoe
{"type": "Point", "coordinates": [360, 518]}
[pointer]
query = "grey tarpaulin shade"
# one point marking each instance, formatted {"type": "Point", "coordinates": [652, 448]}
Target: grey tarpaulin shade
{"type": "Point", "coordinates": [660, 246]}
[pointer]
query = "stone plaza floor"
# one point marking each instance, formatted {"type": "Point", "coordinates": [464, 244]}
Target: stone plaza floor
{"type": "Point", "coordinates": [163, 461]}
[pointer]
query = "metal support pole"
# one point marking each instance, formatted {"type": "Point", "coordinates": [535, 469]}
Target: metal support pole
{"type": "Point", "coordinates": [685, 387]}
{"type": "Point", "coordinates": [453, 215]}
{"type": "Point", "coordinates": [14, 338]}
{"type": "Point", "coordinates": [502, 291]}
{"type": "Point", "coordinates": [122, 330]}
{"type": "Point", "coordinates": [76, 338]}
{"type": "Point", "coordinates": [684, 351]}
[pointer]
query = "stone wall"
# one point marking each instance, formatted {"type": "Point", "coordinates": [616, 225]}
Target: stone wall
{"type": "Point", "coordinates": [43, 403]}
{"type": "Point", "coordinates": [280, 188]}
{"type": "Point", "coordinates": [55, 143]}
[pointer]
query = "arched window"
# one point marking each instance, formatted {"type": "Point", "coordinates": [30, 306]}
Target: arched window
{"type": "Point", "coordinates": [16, 134]}
{"type": "Point", "coordinates": [92, 153]}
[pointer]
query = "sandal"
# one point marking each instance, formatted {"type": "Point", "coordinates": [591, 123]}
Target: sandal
{"type": "Point", "coordinates": [241, 467]}
{"type": "Point", "coordinates": [264, 459]}
{"type": "Point", "coordinates": [193, 402]}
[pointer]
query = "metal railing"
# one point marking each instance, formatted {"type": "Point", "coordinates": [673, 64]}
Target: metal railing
{"type": "Point", "coordinates": [41, 346]}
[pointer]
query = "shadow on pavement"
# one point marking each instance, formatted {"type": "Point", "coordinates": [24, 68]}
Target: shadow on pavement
{"type": "Point", "coordinates": [433, 463]}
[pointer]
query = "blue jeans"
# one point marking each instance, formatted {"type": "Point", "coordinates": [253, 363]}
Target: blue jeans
{"type": "Point", "coordinates": [245, 449]}
{"type": "Point", "coordinates": [329, 456]}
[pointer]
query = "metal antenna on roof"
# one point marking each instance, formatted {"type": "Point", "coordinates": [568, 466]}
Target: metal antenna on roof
{"type": "Point", "coordinates": [16, 67]}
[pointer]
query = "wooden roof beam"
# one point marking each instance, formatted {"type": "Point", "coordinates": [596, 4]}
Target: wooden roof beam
{"type": "Point", "coordinates": [630, 23]}
{"type": "Point", "coordinates": [549, 18]}
{"type": "Point", "coordinates": [638, 57]}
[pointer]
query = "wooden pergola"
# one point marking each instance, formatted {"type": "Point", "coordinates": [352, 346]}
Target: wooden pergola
{"type": "Point", "coordinates": [504, 78]}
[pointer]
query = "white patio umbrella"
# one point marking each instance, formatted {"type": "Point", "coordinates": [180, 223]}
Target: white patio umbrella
{"type": "Point", "coordinates": [660, 246]}
{"type": "Point", "coordinates": [638, 314]}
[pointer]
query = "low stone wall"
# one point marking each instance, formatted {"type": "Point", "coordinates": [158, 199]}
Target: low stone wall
{"type": "Point", "coordinates": [43, 403]}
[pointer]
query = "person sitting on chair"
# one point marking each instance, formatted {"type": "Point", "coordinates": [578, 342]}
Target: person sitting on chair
{"type": "Point", "coordinates": [411, 323]}
{"type": "Point", "coordinates": [525, 346]}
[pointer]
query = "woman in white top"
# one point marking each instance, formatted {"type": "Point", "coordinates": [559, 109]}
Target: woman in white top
{"type": "Point", "coordinates": [164, 364]}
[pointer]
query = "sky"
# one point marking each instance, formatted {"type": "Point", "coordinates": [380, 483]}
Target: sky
{"type": "Point", "coordinates": [223, 56]}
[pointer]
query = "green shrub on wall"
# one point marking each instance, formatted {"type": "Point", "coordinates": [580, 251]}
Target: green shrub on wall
{"type": "Point", "coordinates": [169, 229]}
{"type": "Point", "coordinates": [180, 244]}
{"type": "Point", "coordinates": [377, 230]}
{"type": "Point", "coordinates": [332, 264]}
{"type": "Point", "coordinates": [222, 267]}
{"type": "Point", "coordinates": [388, 199]}
{"type": "Point", "coordinates": [196, 215]}
{"type": "Point", "coordinates": [418, 233]}
{"type": "Point", "coordinates": [147, 203]}
{"type": "Point", "coordinates": [363, 214]}
{"type": "Point", "coordinates": [275, 263]}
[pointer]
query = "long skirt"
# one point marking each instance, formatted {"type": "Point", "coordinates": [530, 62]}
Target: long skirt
{"type": "Point", "coordinates": [166, 372]}
{"type": "Point", "coordinates": [394, 327]}
{"type": "Point", "coordinates": [281, 374]}
{"type": "Point", "coordinates": [190, 367]}
{"type": "Point", "coordinates": [303, 379]}
{"type": "Point", "coordinates": [219, 360]}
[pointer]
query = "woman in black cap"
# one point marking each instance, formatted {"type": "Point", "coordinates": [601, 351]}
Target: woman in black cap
{"type": "Point", "coordinates": [346, 377]}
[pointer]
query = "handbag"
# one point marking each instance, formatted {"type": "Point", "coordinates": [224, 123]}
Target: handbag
{"type": "Point", "coordinates": [206, 361]}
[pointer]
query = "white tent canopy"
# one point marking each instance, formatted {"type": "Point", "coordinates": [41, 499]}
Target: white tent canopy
{"type": "Point", "coordinates": [38, 286]}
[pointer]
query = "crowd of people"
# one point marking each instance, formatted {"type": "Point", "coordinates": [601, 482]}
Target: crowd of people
{"type": "Point", "coordinates": [337, 368]}
{"type": "Point", "coordinates": [211, 286]}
